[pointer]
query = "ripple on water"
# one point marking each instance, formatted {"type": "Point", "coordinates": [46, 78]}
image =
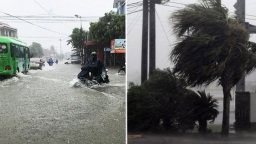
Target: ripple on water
{"type": "Point", "coordinates": [9, 82]}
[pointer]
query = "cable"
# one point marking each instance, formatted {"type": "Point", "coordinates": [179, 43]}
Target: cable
{"type": "Point", "coordinates": [43, 37]}
{"type": "Point", "coordinates": [32, 23]}
{"type": "Point", "coordinates": [134, 12]}
{"type": "Point", "coordinates": [172, 6]}
{"type": "Point", "coordinates": [134, 24]}
{"type": "Point", "coordinates": [133, 21]}
{"type": "Point", "coordinates": [176, 3]}
{"type": "Point", "coordinates": [49, 13]}
{"type": "Point", "coordinates": [163, 28]}
{"type": "Point", "coordinates": [135, 3]}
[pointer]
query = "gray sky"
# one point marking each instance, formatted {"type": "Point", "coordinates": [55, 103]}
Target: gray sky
{"type": "Point", "coordinates": [164, 36]}
{"type": "Point", "coordinates": [90, 9]}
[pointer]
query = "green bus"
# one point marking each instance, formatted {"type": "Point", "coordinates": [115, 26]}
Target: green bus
{"type": "Point", "coordinates": [14, 56]}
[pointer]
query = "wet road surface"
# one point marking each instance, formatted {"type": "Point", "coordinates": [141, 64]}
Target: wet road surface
{"type": "Point", "coordinates": [44, 107]}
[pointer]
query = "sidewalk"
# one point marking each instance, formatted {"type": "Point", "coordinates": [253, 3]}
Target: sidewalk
{"type": "Point", "coordinates": [214, 138]}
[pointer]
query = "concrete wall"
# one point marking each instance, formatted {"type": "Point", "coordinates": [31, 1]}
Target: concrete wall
{"type": "Point", "coordinates": [253, 107]}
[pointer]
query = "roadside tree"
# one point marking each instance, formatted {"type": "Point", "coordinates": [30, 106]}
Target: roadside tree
{"type": "Point", "coordinates": [161, 104]}
{"type": "Point", "coordinates": [36, 50]}
{"type": "Point", "coordinates": [111, 26]}
{"type": "Point", "coordinates": [77, 39]}
{"type": "Point", "coordinates": [212, 46]}
{"type": "Point", "coordinates": [205, 109]}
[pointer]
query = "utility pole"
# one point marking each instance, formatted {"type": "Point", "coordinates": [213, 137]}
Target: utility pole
{"type": "Point", "coordinates": [82, 43]}
{"type": "Point", "coordinates": [152, 35]}
{"type": "Point", "coordinates": [60, 50]}
{"type": "Point", "coordinates": [144, 50]}
{"type": "Point", "coordinates": [240, 12]}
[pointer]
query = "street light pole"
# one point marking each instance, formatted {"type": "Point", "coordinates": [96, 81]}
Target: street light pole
{"type": "Point", "coordinates": [60, 50]}
{"type": "Point", "coordinates": [82, 45]}
{"type": "Point", "coordinates": [80, 19]}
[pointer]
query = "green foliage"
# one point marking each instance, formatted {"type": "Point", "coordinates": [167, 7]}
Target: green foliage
{"type": "Point", "coordinates": [205, 109]}
{"type": "Point", "coordinates": [162, 99]}
{"type": "Point", "coordinates": [78, 37]}
{"type": "Point", "coordinates": [36, 50]}
{"type": "Point", "coordinates": [212, 46]}
{"type": "Point", "coordinates": [111, 26]}
{"type": "Point", "coordinates": [211, 42]}
{"type": "Point", "coordinates": [52, 50]}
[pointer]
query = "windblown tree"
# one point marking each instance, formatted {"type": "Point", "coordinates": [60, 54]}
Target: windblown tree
{"type": "Point", "coordinates": [162, 99]}
{"type": "Point", "coordinates": [111, 26]}
{"type": "Point", "coordinates": [212, 46]}
{"type": "Point", "coordinates": [36, 50]}
{"type": "Point", "coordinates": [205, 109]}
{"type": "Point", "coordinates": [78, 37]}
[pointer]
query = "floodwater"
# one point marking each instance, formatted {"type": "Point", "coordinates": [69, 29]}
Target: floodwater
{"type": "Point", "coordinates": [44, 107]}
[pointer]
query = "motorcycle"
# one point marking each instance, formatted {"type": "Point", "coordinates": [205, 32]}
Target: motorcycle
{"type": "Point", "coordinates": [42, 63]}
{"type": "Point", "coordinates": [121, 70]}
{"type": "Point", "coordinates": [50, 62]}
{"type": "Point", "coordinates": [94, 78]}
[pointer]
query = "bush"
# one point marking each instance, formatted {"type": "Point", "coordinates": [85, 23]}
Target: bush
{"type": "Point", "coordinates": [161, 103]}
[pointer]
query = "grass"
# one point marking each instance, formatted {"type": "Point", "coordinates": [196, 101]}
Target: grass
{"type": "Point", "coordinates": [214, 128]}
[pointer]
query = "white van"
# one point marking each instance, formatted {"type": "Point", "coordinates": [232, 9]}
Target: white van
{"type": "Point", "coordinates": [67, 61]}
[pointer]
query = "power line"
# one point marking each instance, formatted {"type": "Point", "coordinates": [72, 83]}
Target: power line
{"type": "Point", "coordinates": [32, 23]}
{"type": "Point", "coordinates": [45, 16]}
{"type": "Point", "coordinates": [44, 37]}
{"type": "Point", "coordinates": [49, 13]}
{"type": "Point", "coordinates": [134, 23]}
{"type": "Point", "coordinates": [163, 28]}
{"type": "Point", "coordinates": [134, 12]}
{"type": "Point", "coordinates": [135, 3]}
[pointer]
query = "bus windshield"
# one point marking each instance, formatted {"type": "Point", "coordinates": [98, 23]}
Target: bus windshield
{"type": "Point", "coordinates": [3, 48]}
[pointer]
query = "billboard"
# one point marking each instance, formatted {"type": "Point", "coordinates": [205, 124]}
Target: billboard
{"type": "Point", "coordinates": [118, 45]}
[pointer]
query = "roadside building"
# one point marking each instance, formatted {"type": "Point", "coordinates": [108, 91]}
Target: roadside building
{"type": "Point", "coordinates": [7, 30]}
{"type": "Point", "coordinates": [120, 5]}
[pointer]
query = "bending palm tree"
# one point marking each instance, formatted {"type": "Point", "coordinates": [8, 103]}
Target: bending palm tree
{"type": "Point", "coordinates": [213, 47]}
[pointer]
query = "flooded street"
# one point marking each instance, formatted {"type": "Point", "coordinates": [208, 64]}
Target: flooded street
{"type": "Point", "coordinates": [44, 107]}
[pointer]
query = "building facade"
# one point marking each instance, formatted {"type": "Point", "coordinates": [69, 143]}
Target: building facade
{"type": "Point", "coordinates": [120, 5]}
{"type": "Point", "coordinates": [6, 30]}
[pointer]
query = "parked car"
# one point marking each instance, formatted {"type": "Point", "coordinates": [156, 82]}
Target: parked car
{"type": "Point", "coordinates": [72, 61]}
{"type": "Point", "coordinates": [36, 63]}
{"type": "Point", "coordinates": [67, 61]}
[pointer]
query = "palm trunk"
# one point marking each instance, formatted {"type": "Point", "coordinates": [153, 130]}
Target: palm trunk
{"type": "Point", "coordinates": [226, 111]}
{"type": "Point", "coordinates": [202, 126]}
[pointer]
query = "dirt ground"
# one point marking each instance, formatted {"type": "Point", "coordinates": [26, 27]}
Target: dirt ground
{"type": "Point", "coordinates": [191, 139]}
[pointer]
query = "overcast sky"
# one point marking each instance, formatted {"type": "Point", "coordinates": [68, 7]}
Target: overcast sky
{"type": "Point", "coordinates": [164, 36]}
{"type": "Point", "coordinates": [90, 10]}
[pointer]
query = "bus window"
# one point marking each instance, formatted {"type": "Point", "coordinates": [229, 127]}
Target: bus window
{"type": "Point", "coordinates": [16, 49]}
{"type": "Point", "coordinates": [29, 54]}
{"type": "Point", "coordinates": [3, 48]}
{"type": "Point", "coordinates": [21, 52]}
{"type": "Point", "coordinates": [12, 51]}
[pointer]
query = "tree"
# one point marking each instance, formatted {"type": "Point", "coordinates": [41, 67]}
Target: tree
{"type": "Point", "coordinates": [52, 50]}
{"type": "Point", "coordinates": [111, 26]}
{"type": "Point", "coordinates": [162, 99]}
{"type": "Point", "coordinates": [212, 46]}
{"type": "Point", "coordinates": [36, 50]}
{"type": "Point", "coordinates": [78, 37]}
{"type": "Point", "coordinates": [205, 108]}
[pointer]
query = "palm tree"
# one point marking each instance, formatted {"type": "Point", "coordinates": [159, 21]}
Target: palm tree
{"type": "Point", "coordinates": [212, 46]}
{"type": "Point", "coordinates": [205, 109]}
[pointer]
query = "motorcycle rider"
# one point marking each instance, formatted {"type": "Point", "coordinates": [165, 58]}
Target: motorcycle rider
{"type": "Point", "coordinates": [50, 60]}
{"type": "Point", "coordinates": [94, 62]}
